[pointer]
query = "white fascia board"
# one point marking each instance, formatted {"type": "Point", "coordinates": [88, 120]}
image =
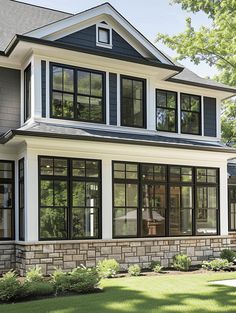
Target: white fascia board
{"type": "Point", "coordinates": [108, 10]}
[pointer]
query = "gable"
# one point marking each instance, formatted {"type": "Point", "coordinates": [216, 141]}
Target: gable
{"type": "Point", "coordinates": [86, 38]}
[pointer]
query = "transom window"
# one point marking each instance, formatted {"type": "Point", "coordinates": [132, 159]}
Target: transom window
{"type": "Point", "coordinates": [6, 200]}
{"type": "Point", "coordinates": [190, 114]}
{"type": "Point", "coordinates": [166, 111]}
{"type": "Point", "coordinates": [77, 94]}
{"type": "Point", "coordinates": [70, 198]}
{"type": "Point", "coordinates": [151, 200]}
{"type": "Point", "coordinates": [133, 95]}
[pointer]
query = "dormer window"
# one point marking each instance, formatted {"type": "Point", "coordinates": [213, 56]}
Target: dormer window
{"type": "Point", "coordinates": [104, 36]}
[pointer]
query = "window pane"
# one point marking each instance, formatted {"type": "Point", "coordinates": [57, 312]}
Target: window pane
{"type": "Point", "coordinates": [83, 108]}
{"type": "Point", "coordinates": [78, 198]}
{"type": "Point", "coordinates": [166, 120]}
{"type": "Point", "coordinates": [175, 173]}
{"type": "Point", "coordinates": [6, 200]}
{"type": "Point", "coordinates": [46, 166]}
{"type": "Point", "coordinates": [119, 195]}
{"type": "Point", "coordinates": [46, 193]}
{"type": "Point", "coordinates": [206, 222]}
{"type": "Point", "coordinates": [186, 174]}
{"type": "Point", "coordinates": [187, 197]}
{"type": "Point", "coordinates": [195, 103]}
{"type": "Point", "coordinates": [171, 100]}
{"type": "Point", "coordinates": [137, 90]}
{"type": "Point", "coordinates": [68, 106]}
{"type": "Point", "coordinates": [53, 223]}
{"type": "Point", "coordinates": [78, 168]}
{"type": "Point", "coordinates": [92, 195]}
{"type": "Point", "coordinates": [92, 168]}
{"type": "Point", "coordinates": [127, 88]}
{"type": "Point", "coordinates": [161, 99]}
{"type": "Point", "coordinates": [131, 195]}
{"type": "Point", "coordinates": [153, 222]}
{"type": "Point", "coordinates": [159, 172]}
{"type": "Point", "coordinates": [57, 78]}
{"type": "Point", "coordinates": [138, 113]}
{"type": "Point", "coordinates": [190, 123]}
{"type": "Point", "coordinates": [96, 85]}
{"type": "Point", "coordinates": [119, 170]}
{"type": "Point", "coordinates": [57, 104]}
{"type": "Point", "coordinates": [68, 80]}
{"type": "Point", "coordinates": [84, 222]}
{"type": "Point", "coordinates": [185, 102]}
{"type": "Point", "coordinates": [212, 197]}
{"type": "Point", "coordinates": [60, 193]}
{"type": "Point", "coordinates": [147, 171]}
{"type": "Point", "coordinates": [104, 35]}
{"type": "Point", "coordinates": [96, 109]}
{"type": "Point", "coordinates": [83, 82]}
{"type": "Point", "coordinates": [60, 167]}
{"type": "Point", "coordinates": [131, 171]}
{"type": "Point", "coordinates": [125, 222]}
{"type": "Point", "coordinates": [6, 170]}
{"type": "Point", "coordinates": [201, 175]}
{"type": "Point", "coordinates": [5, 224]}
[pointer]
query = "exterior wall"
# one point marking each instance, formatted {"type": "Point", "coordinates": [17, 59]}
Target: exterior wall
{"type": "Point", "coordinates": [69, 254]}
{"type": "Point", "coordinates": [10, 100]}
{"type": "Point", "coordinates": [7, 256]}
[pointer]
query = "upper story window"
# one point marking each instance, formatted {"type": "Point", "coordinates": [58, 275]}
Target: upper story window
{"type": "Point", "coordinates": [190, 114]}
{"type": "Point", "coordinates": [27, 93]}
{"type": "Point", "coordinates": [133, 96]}
{"type": "Point", "coordinates": [77, 94]}
{"type": "Point", "coordinates": [166, 111]}
{"type": "Point", "coordinates": [104, 35]}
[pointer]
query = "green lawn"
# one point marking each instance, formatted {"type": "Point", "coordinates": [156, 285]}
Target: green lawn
{"type": "Point", "coordinates": [153, 294]}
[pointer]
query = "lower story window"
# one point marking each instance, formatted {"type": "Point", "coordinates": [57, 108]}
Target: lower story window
{"type": "Point", "coordinates": [70, 198]}
{"type": "Point", "coordinates": [161, 200]}
{"type": "Point", "coordinates": [6, 200]}
{"type": "Point", "coordinates": [232, 207]}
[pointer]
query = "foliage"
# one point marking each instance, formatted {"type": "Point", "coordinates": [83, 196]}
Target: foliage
{"type": "Point", "coordinates": [134, 270]}
{"type": "Point", "coordinates": [154, 264]}
{"type": "Point", "coordinates": [60, 281]}
{"type": "Point", "coordinates": [108, 268]}
{"type": "Point", "coordinates": [158, 268]}
{"type": "Point", "coordinates": [214, 44]}
{"type": "Point", "coordinates": [10, 287]}
{"type": "Point", "coordinates": [229, 255]}
{"type": "Point", "coordinates": [181, 262]}
{"type": "Point", "coordinates": [217, 265]}
{"type": "Point", "coordinates": [34, 274]}
{"type": "Point", "coordinates": [228, 122]}
{"type": "Point", "coordinates": [37, 289]}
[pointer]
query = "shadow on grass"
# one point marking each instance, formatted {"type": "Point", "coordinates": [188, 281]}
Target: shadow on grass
{"type": "Point", "coordinates": [119, 299]}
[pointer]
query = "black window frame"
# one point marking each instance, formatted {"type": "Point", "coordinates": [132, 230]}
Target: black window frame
{"type": "Point", "coordinates": [231, 185]}
{"type": "Point", "coordinates": [190, 111]}
{"type": "Point", "coordinates": [27, 93]}
{"type": "Point", "coordinates": [21, 182]}
{"type": "Point", "coordinates": [168, 109]}
{"type": "Point", "coordinates": [69, 178]}
{"type": "Point", "coordinates": [168, 184]}
{"type": "Point", "coordinates": [75, 92]}
{"type": "Point", "coordinates": [12, 182]}
{"type": "Point", "coordinates": [144, 104]}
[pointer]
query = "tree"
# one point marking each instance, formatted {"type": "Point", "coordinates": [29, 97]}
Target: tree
{"type": "Point", "coordinates": [215, 44]}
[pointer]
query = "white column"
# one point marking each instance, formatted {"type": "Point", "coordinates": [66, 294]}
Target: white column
{"type": "Point", "coordinates": [31, 193]}
{"type": "Point", "coordinates": [106, 199]}
{"type": "Point", "coordinates": [223, 200]}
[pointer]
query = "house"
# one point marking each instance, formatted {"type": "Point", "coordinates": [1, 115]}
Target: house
{"type": "Point", "coordinates": [108, 148]}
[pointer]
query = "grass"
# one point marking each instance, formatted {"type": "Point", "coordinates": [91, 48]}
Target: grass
{"type": "Point", "coordinates": [187, 293]}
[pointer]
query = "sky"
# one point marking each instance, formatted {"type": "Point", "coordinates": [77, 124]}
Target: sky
{"type": "Point", "coordinates": [148, 16]}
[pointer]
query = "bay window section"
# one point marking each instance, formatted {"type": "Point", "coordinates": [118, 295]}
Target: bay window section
{"type": "Point", "coordinates": [69, 198]}
{"type": "Point", "coordinates": [190, 114]}
{"type": "Point", "coordinates": [77, 94]}
{"type": "Point", "coordinates": [133, 102]}
{"type": "Point", "coordinates": [207, 211]}
{"type": "Point", "coordinates": [21, 191]}
{"type": "Point", "coordinates": [6, 200]}
{"type": "Point", "coordinates": [166, 111]}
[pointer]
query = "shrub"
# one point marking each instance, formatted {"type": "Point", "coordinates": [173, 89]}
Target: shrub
{"type": "Point", "coordinates": [83, 279]}
{"type": "Point", "coordinates": [108, 268]}
{"type": "Point", "coordinates": [154, 264]}
{"type": "Point", "coordinates": [37, 289]}
{"type": "Point", "coordinates": [10, 287]}
{"type": "Point", "coordinates": [181, 262]}
{"type": "Point", "coordinates": [60, 281]}
{"type": "Point", "coordinates": [158, 268]}
{"type": "Point", "coordinates": [34, 274]}
{"type": "Point", "coordinates": [228, 255]}
{"type": "Point", "coordinates": [217, 265]}
{"type": "Point", "coordinates": [134, 270]}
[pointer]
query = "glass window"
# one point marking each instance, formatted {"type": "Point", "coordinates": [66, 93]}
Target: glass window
{"type": "Point", "coordinates": [70, 194]}
{"type": "Point", "coordinates": [166, 111]}
{"type": "Point", "coordinates": [181, 174]}
{"type": "Point", "coordinates": [104, 35]}
{"type": "Point", "coordinates": [6, 200]}
{"type": "Point", "coordinates": [27, 93]}
{"type": "Point", "coordinates": [190, 114]}
{"type": "Point", "coordinates": [77, 94]}
{"type": "Point", "coordinates": [232, 207]}
{"type": "Point", "coordinates": [21, 199]}
{"type": "Point", "coordinates": [133, 96]}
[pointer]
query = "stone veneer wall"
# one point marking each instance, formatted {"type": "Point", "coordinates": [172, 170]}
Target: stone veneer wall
{"type": "Point", "coordinates": [7, 256]}
{"type": "Point", "coordinates": [69, 254]}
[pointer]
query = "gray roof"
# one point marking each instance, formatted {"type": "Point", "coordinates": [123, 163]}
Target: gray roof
{"type": "Point", "coordinates": [19, 18]}
{"type": "Point", "coordinates": [80, 133]}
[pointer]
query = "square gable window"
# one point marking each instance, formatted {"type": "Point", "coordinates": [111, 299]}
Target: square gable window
{"type": "Point", "coordinates": [104, 36]}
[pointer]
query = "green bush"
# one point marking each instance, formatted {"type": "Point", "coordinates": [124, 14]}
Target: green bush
{"type": "Point", "coordinates": [154, 264]}
{"type": "Point", "coordinates": [10, 287]}
{"type": "Point", "coordinates": [158, 268]}
{"type": "Point", "coordinates": [108, 268]}
{"type": "Point", "coordinates": [181, 262]}
{"type": "Point", "coordinates": [34, 274]}
{"type": "Point", "coordinates": [228, 255]}
{"type": "Point", "coordinates": [217, 265]}
{"type": "Point", "coordinates": [134, 270]}
{"type": "Point", "coordinates": [60, 281]}
{"type": "Point", "coordinates": [83, 279]}
{"type": "Point", "coordinates": [37, 289]}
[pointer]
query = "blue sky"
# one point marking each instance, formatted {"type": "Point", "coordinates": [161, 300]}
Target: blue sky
{"type": "Point", "coordinates": [148, 16]}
